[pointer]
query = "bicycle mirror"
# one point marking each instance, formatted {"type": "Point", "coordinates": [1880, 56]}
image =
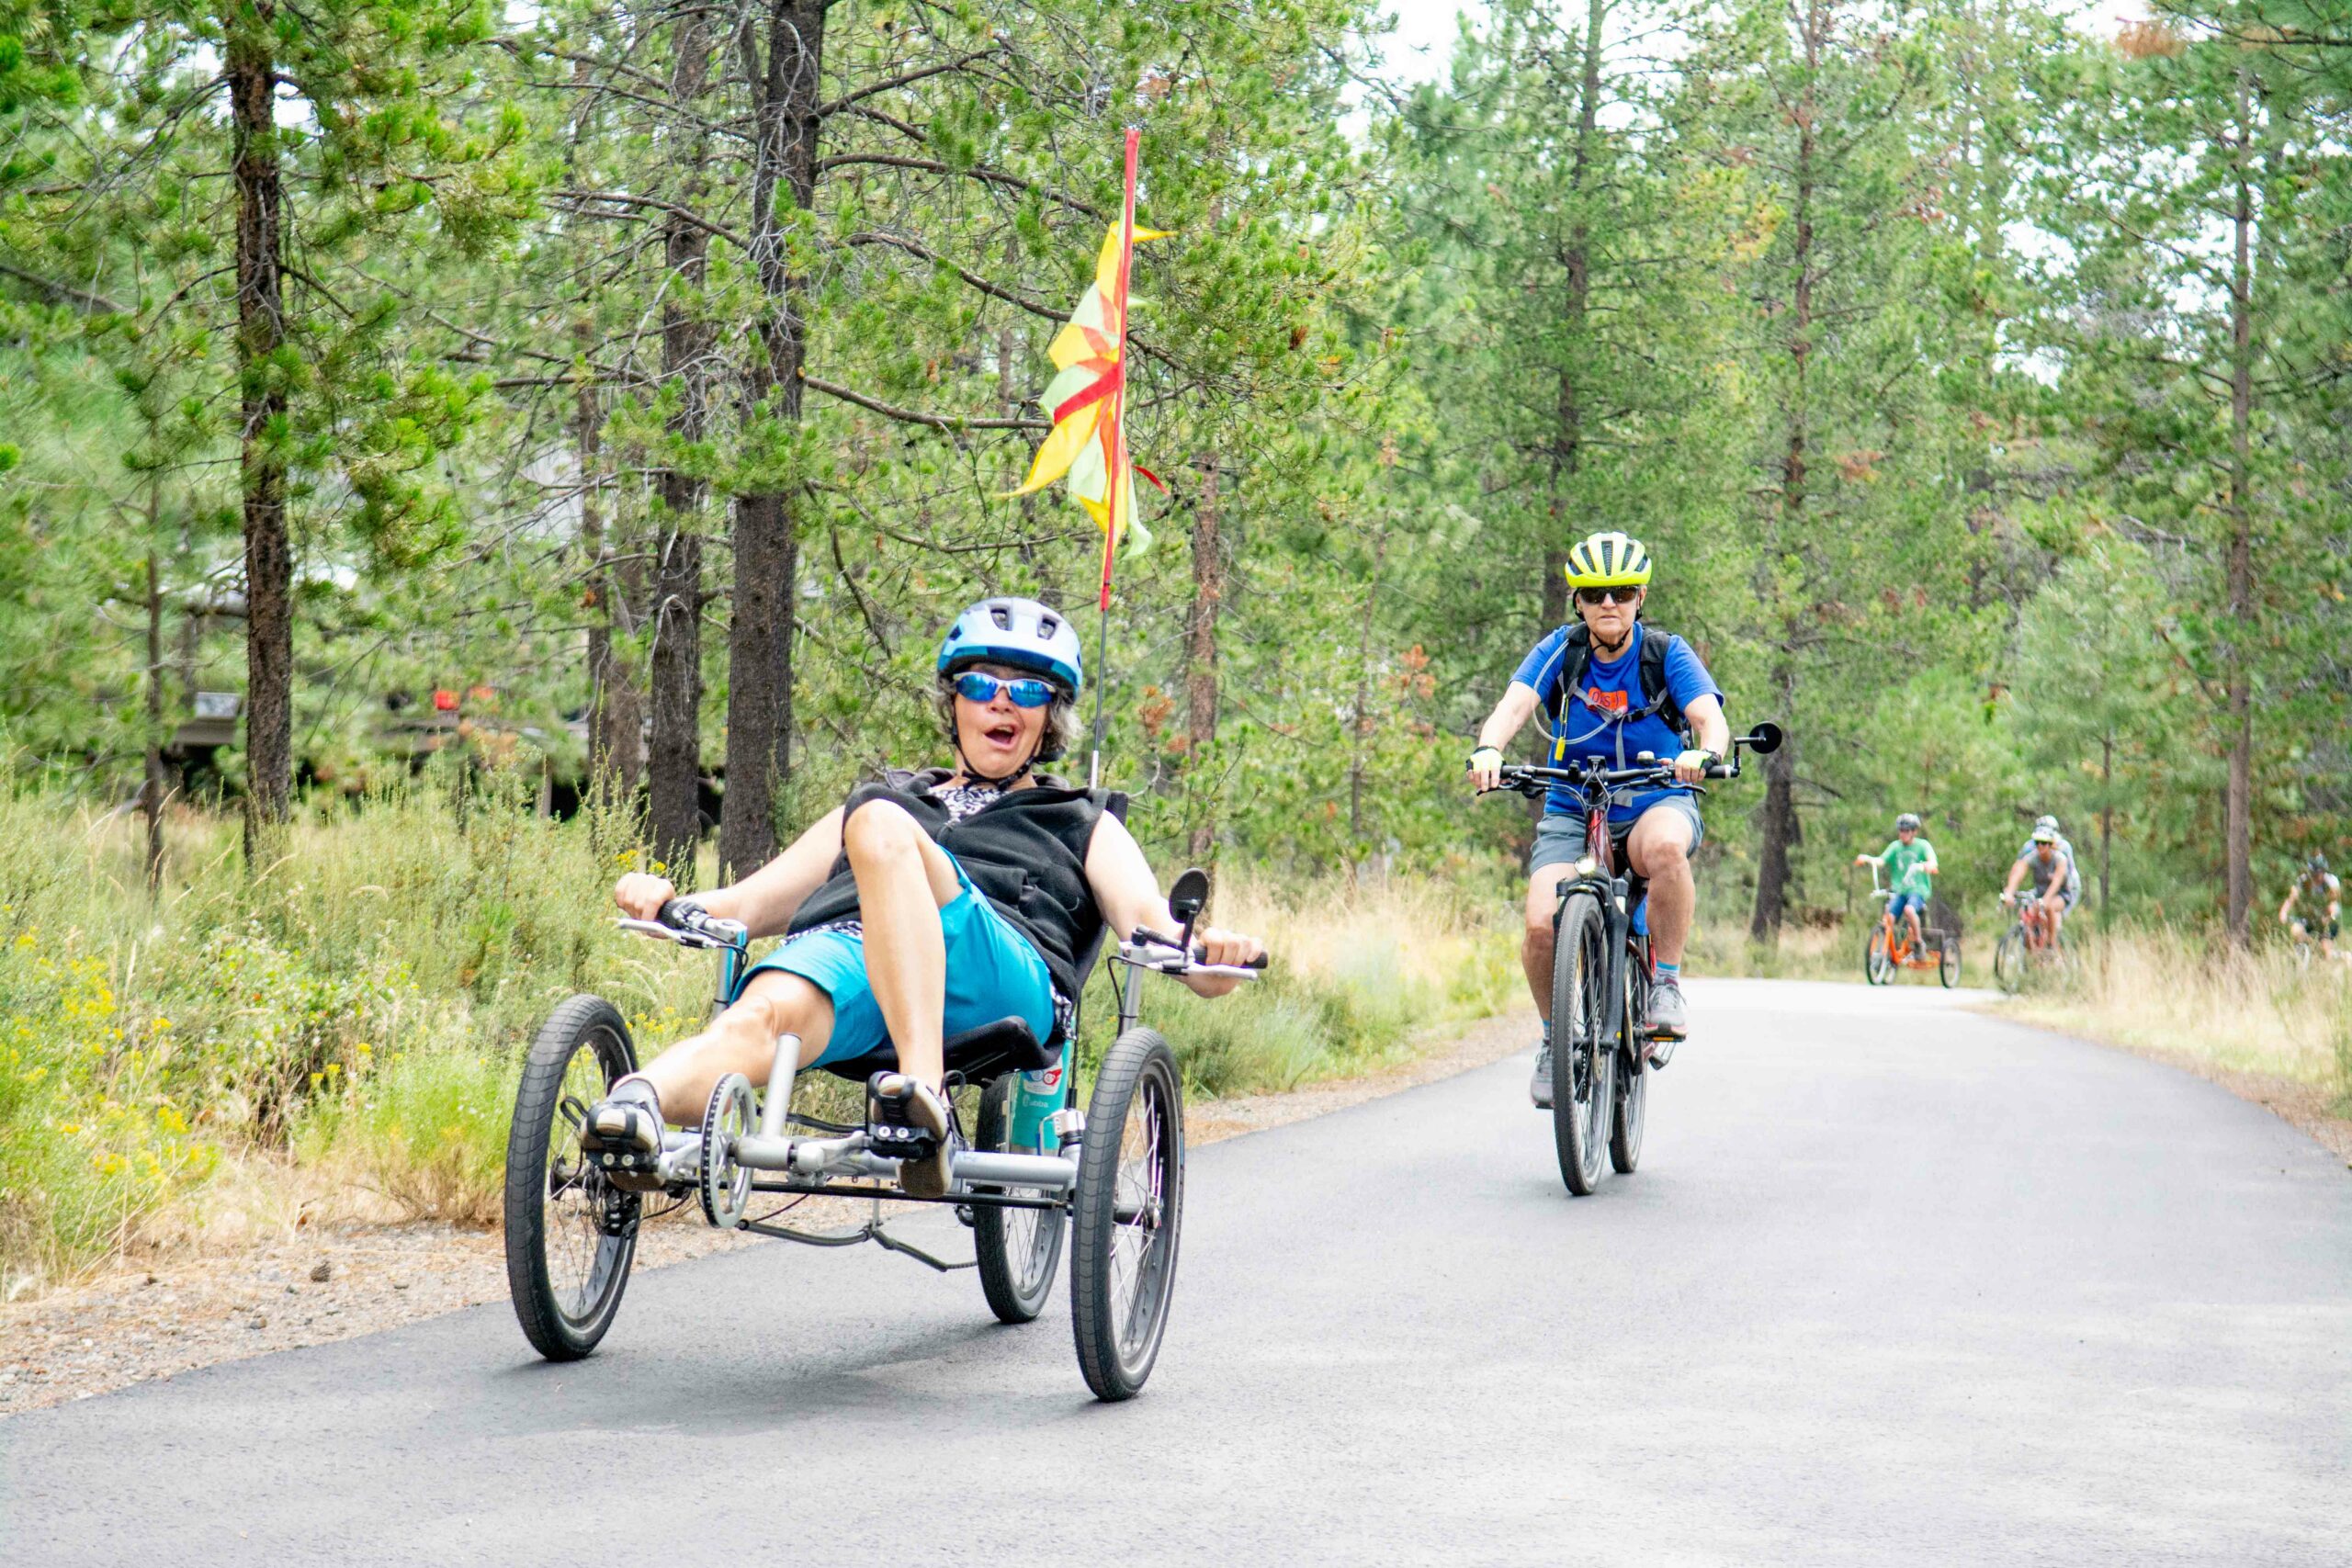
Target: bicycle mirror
{"type": "Point", "coordinates": [1764, 739]}
{"type": "Point", "coordinates": [1189, 896]}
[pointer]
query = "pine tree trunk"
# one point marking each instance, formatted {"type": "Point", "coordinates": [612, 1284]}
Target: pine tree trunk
{"type": "Point", "coordinates": [1200, 662]}
{"type": "Point", "coordinates": [251, 76]}
{"type": "Point", "coordinates": [785, 99]}
{"type": "Point", "coordinates": [2106, 823]}
{"type": "Point", "coordinates": [2238, 828]}
{"type": "Point", "coordinates": [615, 723]}
{"type": "Point", "coordinates": [1780, 828]}
{"type": "Point", "coordinates": [150, 795]}
{"type": "Point", "coordinates": [674, 764]}
{"type": "Point", "coordinates": [1568, 448]}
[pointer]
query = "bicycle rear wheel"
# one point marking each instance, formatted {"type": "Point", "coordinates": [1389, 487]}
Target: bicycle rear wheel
{"type": "Point", "coordinates": [1020, 1249]}
{"type": "Point", "coordinates": [570, 1234]}
{"type": "Point", "coordinates": [1583, 1056]}
{"type": "Point", "coordinates": [1948, 960]}
{"type": "Point", "coordinates": [1633, 1096]}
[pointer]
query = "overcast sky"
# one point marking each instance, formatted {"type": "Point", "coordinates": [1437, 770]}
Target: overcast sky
{"type": "Point", "coordinates": [1425, 29]}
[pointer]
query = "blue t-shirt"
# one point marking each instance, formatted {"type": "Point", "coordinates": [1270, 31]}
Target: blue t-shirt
{"type": "Point", "coordinates": [1591, 723]}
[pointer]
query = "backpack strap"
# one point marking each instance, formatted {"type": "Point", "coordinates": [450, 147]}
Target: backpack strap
{"type": "Point", "coordinates": [1658, 694]}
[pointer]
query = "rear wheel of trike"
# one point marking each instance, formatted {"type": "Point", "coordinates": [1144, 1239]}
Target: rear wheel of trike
{"type": "Point", "coordinates": [1583, 1057]}
{"type": "Point", "coordinates": [1128, 1212]}
{"type": "Point", "coordinates": [1020, 1249]}
{"type": "Point", "coordinates": [1948, 960]}
{"type": "Point", "coordinates": [570, 1234]}
{"type": "Point", "coordinates": [1878, 967]}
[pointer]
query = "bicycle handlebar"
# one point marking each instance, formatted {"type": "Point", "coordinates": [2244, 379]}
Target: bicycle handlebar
{"type": "Point", "coordinates": [1530, 781]}
{"type": "Point", "coordinates": [1167, 954]}
{"type": "Point", "coordinates": [688, 923]}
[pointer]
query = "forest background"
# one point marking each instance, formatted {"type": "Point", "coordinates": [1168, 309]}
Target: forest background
{"type": "Point", "coordinates": [417, 416]}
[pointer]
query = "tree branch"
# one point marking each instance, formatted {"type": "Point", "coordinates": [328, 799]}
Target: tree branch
{"type": "Point", "coordinates": [911, 416]}
{"type": "Point", "coordinates": [64, 293]}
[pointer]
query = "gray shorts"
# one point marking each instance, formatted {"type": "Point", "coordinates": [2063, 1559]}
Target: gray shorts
{"type": "Point", "coordinates": [1559, 840]}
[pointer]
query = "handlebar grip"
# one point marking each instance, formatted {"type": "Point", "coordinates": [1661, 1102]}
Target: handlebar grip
{"type": "Point", "coordinates": [1198, 955]}
{"type": "Point", "coordinates": [682, 915]}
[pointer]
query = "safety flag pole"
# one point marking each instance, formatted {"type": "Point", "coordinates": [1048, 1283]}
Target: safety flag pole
{"type": "Point", "coordinates": [1118, 487]}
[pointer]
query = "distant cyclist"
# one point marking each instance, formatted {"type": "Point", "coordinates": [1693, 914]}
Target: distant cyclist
{"type": "Point", "coordinates": [2048, 860]}
{"type": "Point", "coordinates": [1613, 689]}
{"type": "Point", "coordinates": [1910, 862]}
{"type": "Point", "coordinates": [2320, 893]}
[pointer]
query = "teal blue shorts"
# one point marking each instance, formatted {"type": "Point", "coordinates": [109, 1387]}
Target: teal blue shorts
{"type": "Point", "coordinates": [993, 972]}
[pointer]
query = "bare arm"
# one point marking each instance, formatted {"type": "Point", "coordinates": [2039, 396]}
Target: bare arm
{"type": "Point", "coordinates": [1129, 895]}
{"type": "Point", "coordinates": [765, 900]}
{"type": "Point", "coordinates": [1714, 732]}
{"type": "Point", "coordinates": [1518, 705]}
{"type": "Point", "coordinates": [2017, 877]}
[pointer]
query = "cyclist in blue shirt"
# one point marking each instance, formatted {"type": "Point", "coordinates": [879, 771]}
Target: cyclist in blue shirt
{"type": "Point", "coordinates": [1614, 688]}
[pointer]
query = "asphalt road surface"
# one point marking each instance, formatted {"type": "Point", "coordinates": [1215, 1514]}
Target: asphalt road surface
{"type": "Point", "coordinates": [1895, 1284]}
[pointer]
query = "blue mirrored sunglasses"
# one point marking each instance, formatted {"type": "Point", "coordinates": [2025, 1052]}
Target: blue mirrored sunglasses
{"type": "Point", "coordinates": [1026, 693]}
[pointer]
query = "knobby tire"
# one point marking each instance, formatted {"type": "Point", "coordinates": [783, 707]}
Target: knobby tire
{"type": "Point", "coordinates": [561, 1329]}
{"type": "Point", "coordinates": [1583, 1055]}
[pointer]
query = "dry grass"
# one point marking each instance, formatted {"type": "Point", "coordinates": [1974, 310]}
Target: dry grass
{"type": "Point", "coordinates": [337, 1039]}
{"type": "Point", "coordinates": [2187, 995]}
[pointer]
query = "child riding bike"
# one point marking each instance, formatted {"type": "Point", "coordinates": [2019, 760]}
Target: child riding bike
{"type": "Point", "coordinates": [929, 903]}
{"type": "Point", "coordinates": [1910, 864]}
{"type": "Point", "coordinates": [1614, 689]}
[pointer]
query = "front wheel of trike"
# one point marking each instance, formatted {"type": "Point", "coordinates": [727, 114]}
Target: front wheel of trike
{"type": "Point", "coordinates": [570, 1234]}
{"type": "Point", "coordinates": [1128, 1212]}
{"type": "Point", "coordinates": [1020, 1249]}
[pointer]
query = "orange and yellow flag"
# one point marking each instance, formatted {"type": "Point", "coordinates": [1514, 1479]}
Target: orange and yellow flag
{"type": "Point", "coordinates": [1086, 398]}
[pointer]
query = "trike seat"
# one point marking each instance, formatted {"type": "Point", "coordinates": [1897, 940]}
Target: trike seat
{"type": "Point", "coordinates": [977, 1056]}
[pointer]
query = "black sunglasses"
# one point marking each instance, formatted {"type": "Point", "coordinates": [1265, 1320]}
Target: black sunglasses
{"type": "Point", "coordinates": [1608, 595]}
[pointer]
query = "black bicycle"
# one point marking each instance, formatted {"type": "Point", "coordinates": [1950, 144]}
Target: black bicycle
{"type": "Point", "coordinates": [1601, 968]}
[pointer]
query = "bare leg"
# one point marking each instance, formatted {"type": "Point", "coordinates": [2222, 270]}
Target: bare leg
{"type": "Point", "coordinates": [1660, 851]}
{"type": "Point", "coordinates": [903, 881]}
{"type": "Point", "coordinates": [1535, 946]}
{"type": "Point", "coordinates": [740, 1040]}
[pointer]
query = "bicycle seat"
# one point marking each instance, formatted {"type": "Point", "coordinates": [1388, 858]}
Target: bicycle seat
{"type": "Point", "coordinates": [977, 1055]}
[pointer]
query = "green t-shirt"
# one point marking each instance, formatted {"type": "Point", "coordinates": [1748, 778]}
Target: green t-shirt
{"type": "Point", "coordinates": [1907, 866]}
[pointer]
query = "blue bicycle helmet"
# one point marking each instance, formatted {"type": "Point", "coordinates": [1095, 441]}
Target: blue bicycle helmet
{"type": "Point", "coordinates": [1018, 632]}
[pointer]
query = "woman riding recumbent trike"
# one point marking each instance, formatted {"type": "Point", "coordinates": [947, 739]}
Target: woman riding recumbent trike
{"type": "Point", "coordinates": [940, 928]}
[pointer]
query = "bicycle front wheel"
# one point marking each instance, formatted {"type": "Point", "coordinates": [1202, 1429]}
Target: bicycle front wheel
{"type": "Point", "coordinates": [2010, 960]}
{"type": "Point", "coordinates": [1583, 1057]}
{"type": "Point", "coordinates": [1878, 967]}
{"type": "Point", "coordinates": [570, 1234]}
{"type": "Point", "coordinates": [1948, 961]}
{"type": "Point", "coordinates": [1129, 1209]}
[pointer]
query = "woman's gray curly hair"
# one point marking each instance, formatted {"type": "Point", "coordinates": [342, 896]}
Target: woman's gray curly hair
{"type": "Point", "coordinates": [1062, 720]}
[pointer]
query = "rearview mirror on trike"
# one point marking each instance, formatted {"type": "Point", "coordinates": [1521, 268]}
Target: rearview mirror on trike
{"type": "Point", "coordinates": [1764, 739]}
{"type": "Point", "coordinates": [1189, 896]}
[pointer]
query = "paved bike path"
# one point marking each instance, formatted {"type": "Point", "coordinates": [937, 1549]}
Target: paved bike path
{"type": "Point", "coordinates": [1897, 1283]}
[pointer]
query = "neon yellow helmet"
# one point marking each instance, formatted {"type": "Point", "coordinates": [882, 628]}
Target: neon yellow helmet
{"type": "Point", "coordinates": [1608, 560]}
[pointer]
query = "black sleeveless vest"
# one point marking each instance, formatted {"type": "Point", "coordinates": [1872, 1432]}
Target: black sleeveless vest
{"type": "Point", "coordinates": [1025, 852]}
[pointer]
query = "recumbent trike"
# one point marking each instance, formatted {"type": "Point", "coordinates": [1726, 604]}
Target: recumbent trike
{"type": "Point", "coordinates": [1115, 1172]}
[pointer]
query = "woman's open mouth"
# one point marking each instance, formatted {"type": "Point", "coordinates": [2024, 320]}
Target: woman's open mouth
{"type": "Point", "coordinates": [1005, 733]}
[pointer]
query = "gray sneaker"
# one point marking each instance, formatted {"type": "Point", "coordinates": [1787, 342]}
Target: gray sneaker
{"type": "Point", "coordinates": [1539, 1088]}
{"type": "Point", "coordinates": [622, 1136]}
{"type": "Point", "coordinates": [1669, 1018]}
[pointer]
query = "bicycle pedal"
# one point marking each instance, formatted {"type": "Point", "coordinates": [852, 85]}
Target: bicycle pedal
{"type": "Point", "coordinates": [896, 1140]}
{"type": "Point", "coordinates": [891, 1128]}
